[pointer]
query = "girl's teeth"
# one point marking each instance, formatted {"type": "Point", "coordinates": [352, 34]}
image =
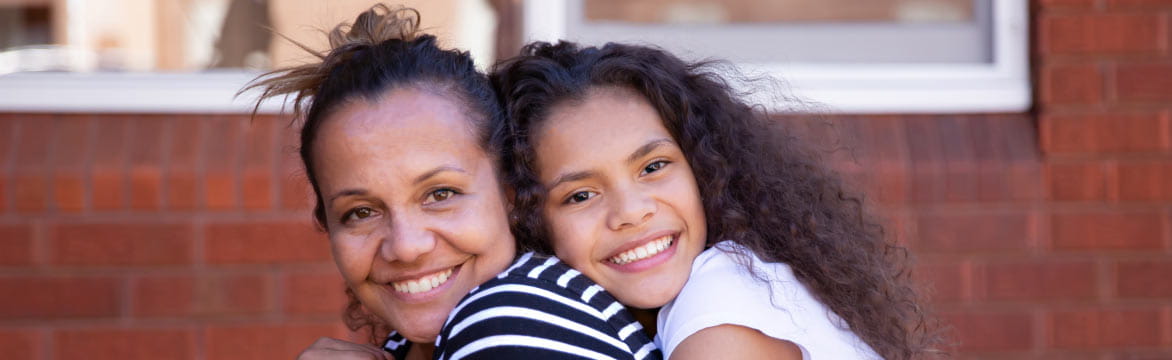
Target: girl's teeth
{"type": "Point", "coordinates": [423, 284]}
{"type": "Point", "coordinates": [643, 252]}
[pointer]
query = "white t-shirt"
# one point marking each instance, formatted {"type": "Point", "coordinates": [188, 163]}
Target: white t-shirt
{"type": "Point", "coordinates": [721, 291]}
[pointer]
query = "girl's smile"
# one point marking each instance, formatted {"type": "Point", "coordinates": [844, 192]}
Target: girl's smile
{"type": "Point", "coordinates": [623, 206]}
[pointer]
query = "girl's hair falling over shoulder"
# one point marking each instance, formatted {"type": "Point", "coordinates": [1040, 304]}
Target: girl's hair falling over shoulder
{"type": "Point", "coordinates": [382, 50]}
{"type": "Point", "coordinates": [759, 185]}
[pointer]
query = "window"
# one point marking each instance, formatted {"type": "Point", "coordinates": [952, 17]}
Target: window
{"type": "Point", "coordinates": [877, 56]}
{"type": "Point", "coordinates": [181, 55]}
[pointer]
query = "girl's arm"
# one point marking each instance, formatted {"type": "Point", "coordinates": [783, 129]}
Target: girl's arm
{"type": "Point", "coordinates": [734, 342]}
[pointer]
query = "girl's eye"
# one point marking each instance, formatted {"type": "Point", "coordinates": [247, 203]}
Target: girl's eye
{"type": "Point", "coordinates": [357, 214]}
{"type": "Point", "coordinates": [580, 197]}
{"type": "Point", "coordinates": [439, 195]}
{"type": "Point", "coordinates": [653, 167]}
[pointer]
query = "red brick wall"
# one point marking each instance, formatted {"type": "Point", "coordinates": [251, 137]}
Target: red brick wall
{"type": "Point", "coordinates": [158, 236]}
{"type": "Point", "coordinates": [1045, 234]}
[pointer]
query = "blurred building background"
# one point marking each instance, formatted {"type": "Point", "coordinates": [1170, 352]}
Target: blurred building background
{"type": "Point", "coordinates": [1044, 232]}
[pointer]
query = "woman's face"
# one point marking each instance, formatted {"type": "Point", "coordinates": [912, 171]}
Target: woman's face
{"type": "Point", "coordinates": [415, 214]}
{"type": "Point", "coordinates": [623, 204]}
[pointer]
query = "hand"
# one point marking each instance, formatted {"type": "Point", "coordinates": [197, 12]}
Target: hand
{"type": "Point", "coordinates": [329, 348]}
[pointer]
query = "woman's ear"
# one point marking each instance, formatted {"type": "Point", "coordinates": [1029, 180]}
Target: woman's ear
{"type": "Point", "coordinates": [510, 197]}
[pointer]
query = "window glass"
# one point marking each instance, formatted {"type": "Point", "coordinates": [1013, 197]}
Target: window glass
{"type": "Point", "coordinates": [824, 31]}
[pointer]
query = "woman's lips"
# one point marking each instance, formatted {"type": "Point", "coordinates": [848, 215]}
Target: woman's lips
{"type": "Point", "coordinates": [423, 288]}
{"type": "Point", "coordinates": [423, 283]}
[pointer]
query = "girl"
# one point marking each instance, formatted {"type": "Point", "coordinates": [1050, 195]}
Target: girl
{"type": "Point", "coordinates": [651, 177]}
{"type": "Point", "coordinates": [394, 143]}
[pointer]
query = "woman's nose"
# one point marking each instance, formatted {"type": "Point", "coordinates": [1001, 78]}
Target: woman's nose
{"type": "Point", "coordinates": [407, 241]}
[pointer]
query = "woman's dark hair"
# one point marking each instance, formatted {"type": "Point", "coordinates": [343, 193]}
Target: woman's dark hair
{"type": "Point", "coordinates": [383, 50]}
{"type": "Point", "coordinates": [760, 186]}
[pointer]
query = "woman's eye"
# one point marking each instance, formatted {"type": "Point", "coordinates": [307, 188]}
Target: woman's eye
{"type": "Point", "coordinates": [653, 167]}
{"type": "Point", "coordinates": [439, 195]}
{"type": "Point", "coordinates": [580, 197]}
{"type": "Point", "coordinates": [357, 214]}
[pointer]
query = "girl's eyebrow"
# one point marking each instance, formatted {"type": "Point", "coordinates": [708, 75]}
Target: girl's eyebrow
{"type": "Point", "coordinates": [647, 148]}
{"type": "Point", "coordinates": [574, 176]}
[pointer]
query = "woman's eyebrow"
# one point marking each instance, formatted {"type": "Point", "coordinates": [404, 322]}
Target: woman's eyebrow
{"type": "Point", "coordinates": [433, 172]}
{"type": "Point", "coordinates": [647, 148]}
{"type": "Point", "coordinates": [346, 192]}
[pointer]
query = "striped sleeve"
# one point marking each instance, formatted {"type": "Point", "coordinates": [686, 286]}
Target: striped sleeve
{"type": "Point", "coordinates": [542, 309]}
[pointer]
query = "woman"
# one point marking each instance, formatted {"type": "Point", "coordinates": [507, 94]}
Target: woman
{"type": "Point", "coordinates": [395, 146]}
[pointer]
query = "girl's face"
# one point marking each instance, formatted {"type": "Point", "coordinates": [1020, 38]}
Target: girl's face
{"type": "Point", "coordinates": [623, 204]}
{"type": "Point", "coordinates": [415, 214]}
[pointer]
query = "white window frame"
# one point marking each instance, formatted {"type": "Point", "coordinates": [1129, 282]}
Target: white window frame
{"type": "Point", "coordinates": [998, 87]}
{"type": "Point", "coordinates": [66, 92]}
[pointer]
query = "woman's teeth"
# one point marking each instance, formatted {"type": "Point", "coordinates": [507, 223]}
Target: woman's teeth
{"type": "Point", "coordinates": [643, 252]}
{"type": "Point", "coordinates": [422, 284]}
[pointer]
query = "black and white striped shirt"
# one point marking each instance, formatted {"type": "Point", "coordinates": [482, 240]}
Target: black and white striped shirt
{"type": "Point", "coordinates": [540, 308]}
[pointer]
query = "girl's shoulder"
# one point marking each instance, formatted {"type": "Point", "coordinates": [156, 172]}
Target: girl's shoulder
{"type": "Point", "coordinates": [731, 285]}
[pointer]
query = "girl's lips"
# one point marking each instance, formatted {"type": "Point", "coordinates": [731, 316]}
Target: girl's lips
{"type": "Point", "coordinates": [643, 263]}
{"type": "Point", "coordinates": [423, 292]}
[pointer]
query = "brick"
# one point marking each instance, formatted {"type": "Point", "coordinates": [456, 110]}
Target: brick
{"type": "Point", "coordinates": [33, 143]}
{"type": "Point", "coordinates": [991, 331]}
{"type": "Point", "coordinates": [947, 281]}
{"type": "Point", "coordinates": [1143, 279]}
{"type": "Point", "coordinates": [16, 245]}
{"type": "Point", "coordinates": [1079, 4]}
{"type": "Point", "coordinates": [1145, 181]}
{"type": "Point", "coordinates": [967, 233]}
{"type": "Point", "coordinates": [120, 343]}
{"type": "Point", "coordinates": [122, 244]}
{"type": "Point", "coordinates": [264, 341]}
{"type": "Point", "coordinates": [7, 139]}
{"type": "Point", "coordinates": [206, 295]}
{"type": "Point", "coordinates": [71, 143]}
{"type": "Point", "coordinates": [296, 193]}
{"type": "Point", "coordinates": [259, 141]}
{"type": "Point", "coordinates": [182, 191]}
{"type": "Point", "coordinates": [1071, 84]}
{"type": "Point", "coordinates": [20, 344]}
{"type": "Point", "coordinates": [109, 189]}
{"type": "Point", "coordinates": [1010, 181]}
{"type": "Point", "coordinates": [1040, 281]}
{"type": "Point", "coordinates": [264, 243]}
{"type": "Point", "coordinates": [220, 191]}
{"type": "Point", "coordinates": [1084, 181]}
{"type": "Point", "coordinates": [1105, 328]}
{"type": "Point", "coordinates": [31, 193]}
{"type": "Point", "coordinates": [1107, 231]}
{"type": "Point", "coordinates": [1144, 82]}
{"type": "Point", "coordinates": [1100, 33]}
{"type": "Point", "coordinates": [40, 298]}
{"type": "Point", "coordinates": [184, 135]}
{"type": "Point", "coordinates": [314, 293]}
{"type": "Point", "coordinates": [1138, 4]}
{"type": "Point", "coordinates": [146, 184]}
{"type": "Point", "coordinates": [1143, 132]}
{"type": "Point", "coordinates": [256, 189]}
{"type": "Point", "coordinates": [69, 192]}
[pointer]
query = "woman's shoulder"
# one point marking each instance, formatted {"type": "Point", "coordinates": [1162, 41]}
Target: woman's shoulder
{"type": "Point", "coordinates": [541, 305]}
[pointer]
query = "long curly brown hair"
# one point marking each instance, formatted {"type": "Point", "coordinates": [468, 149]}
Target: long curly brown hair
{"type": "Point", "coordinates": [760, 186]}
